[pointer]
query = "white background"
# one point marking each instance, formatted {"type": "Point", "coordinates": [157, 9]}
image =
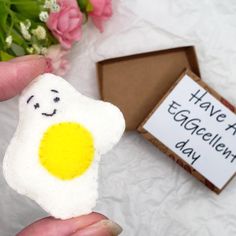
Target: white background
{"type": "Point", "coordinates": [142, 189]}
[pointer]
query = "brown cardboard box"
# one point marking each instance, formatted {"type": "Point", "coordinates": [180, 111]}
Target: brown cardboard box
{"type": "Point", "coordinates": [136, 83]}
{"type": "Point", "coordinates": [172, 154]}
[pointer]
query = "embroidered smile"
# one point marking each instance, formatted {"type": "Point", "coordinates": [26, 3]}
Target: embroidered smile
{"type": "Point", "coordinates": [36, 105]}
{"type": "Point", "coordinates": [50, 114]}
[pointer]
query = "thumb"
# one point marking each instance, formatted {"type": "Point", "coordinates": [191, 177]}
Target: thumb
{"type": "Point", "coordinates": [89, 225]}
{"type": "Point", "coordinates": [16, 74]}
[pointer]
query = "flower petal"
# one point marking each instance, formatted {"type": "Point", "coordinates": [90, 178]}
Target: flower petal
{"type": "Point", "coordinates": [74, 23]}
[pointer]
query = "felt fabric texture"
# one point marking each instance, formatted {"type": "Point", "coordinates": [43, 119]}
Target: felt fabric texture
{"type": "Point", "coordinates": [140, 187]}
{"type": "Point", "coordinates": [60, 173]}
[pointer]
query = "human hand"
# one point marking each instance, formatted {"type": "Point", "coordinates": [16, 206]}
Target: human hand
{"type": "Point", "coordinates": [17, 73]}
{"type": "Point", "coordinates": [93, 224]}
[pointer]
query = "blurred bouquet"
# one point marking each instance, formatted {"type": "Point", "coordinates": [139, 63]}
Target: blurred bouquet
{"type": "Point", "coordinates": [47, 27]}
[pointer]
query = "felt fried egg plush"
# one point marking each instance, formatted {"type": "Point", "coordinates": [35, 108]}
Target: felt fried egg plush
{"type": "Point", "coordinates": [54, 155]}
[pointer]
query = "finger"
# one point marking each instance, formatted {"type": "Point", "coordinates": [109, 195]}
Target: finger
{"type": "Point", "coordinates": [101, 228]}
{"type": "Point", "coordinates": [50, 226]}
{"type": "Point", "coordinates": [26, 58]}
{"type": "Point", "coordinates": [16, 75]}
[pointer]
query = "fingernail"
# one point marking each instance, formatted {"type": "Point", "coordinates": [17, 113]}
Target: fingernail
{"type": "Point", "coordinates": [102, 228]}
{"type": "Point", "coordinates": [114, 228]}
{"type": "Point", "coordinates": [48, 67]}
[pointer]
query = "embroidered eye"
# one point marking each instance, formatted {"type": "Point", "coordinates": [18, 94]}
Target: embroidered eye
{"type": "Point", "coordinates": [56, 99]}
{"type": "Point", "coordinates": [36, 106]}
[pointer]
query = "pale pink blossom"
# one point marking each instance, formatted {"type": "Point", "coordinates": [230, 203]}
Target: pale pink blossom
{"type": "Point", "coordinates": [59, 59]}
{"type": "Point", "coordinates": [66, 24]}
{"type": "Point", "coordinates": [102, 11]}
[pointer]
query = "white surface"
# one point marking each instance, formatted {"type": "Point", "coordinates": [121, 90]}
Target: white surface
{"type": "Point", "coordinates": [21, 166]}
{"type": "Point", "coordinates": [178, 120]}
{"type": "Point", "coordinates": [140, 187]}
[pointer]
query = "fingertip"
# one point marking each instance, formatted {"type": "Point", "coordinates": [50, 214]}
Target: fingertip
{"type": "Point", "coordinates": [48, 67]}
{"type": "Point", "coordinates": [16, 74]}
{"type": "Point", "coordinates": [101, 228]}
{"type": "Point", "coordinates": [51, 226]}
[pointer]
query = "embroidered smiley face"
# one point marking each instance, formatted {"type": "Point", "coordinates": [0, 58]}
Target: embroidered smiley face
{"type": "Point", "coordinates": [56, 99]}
{"type": "Point", "coordinates": [54, 155]}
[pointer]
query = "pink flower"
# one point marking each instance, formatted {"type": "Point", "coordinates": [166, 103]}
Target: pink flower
{"type": "Point", "coordinates": [66, 25]}
{"type": "Point", "coordinates": [102, 10]}
{"type": "Point", "coordinates": [59, 61]}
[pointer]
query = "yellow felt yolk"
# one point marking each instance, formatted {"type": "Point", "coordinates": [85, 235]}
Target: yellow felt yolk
{"type": "Point", "coordinates": [66, 150]}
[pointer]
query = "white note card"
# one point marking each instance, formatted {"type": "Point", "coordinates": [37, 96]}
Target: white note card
{"type": "Point", "coordinates": [199, 129]}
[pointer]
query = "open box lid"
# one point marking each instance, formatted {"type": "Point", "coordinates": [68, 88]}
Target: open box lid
{"type": "Point", "coordinates": [136, 83]}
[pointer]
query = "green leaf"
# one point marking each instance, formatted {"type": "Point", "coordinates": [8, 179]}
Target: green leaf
{"type": "Point", "coordinates": [5, 56]}
{"type": "Point", "coordinates": [82, 4]}
{"type": "Point", "coordinates": [89, 7]}
{"type": "Point", "coordinates": [3, 14]}
{"type": "Point", "coordinates": [30, 10]}
{"type": "Point", "coordinates": [85, 6]}
{"type": "Point", "coordinates": [17, 50]}
{"type": "Point", "coordinates": [17, 38]}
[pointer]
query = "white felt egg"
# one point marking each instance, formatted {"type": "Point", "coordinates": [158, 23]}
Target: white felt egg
{"type": "Point", "coordinates": [54, 155]}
